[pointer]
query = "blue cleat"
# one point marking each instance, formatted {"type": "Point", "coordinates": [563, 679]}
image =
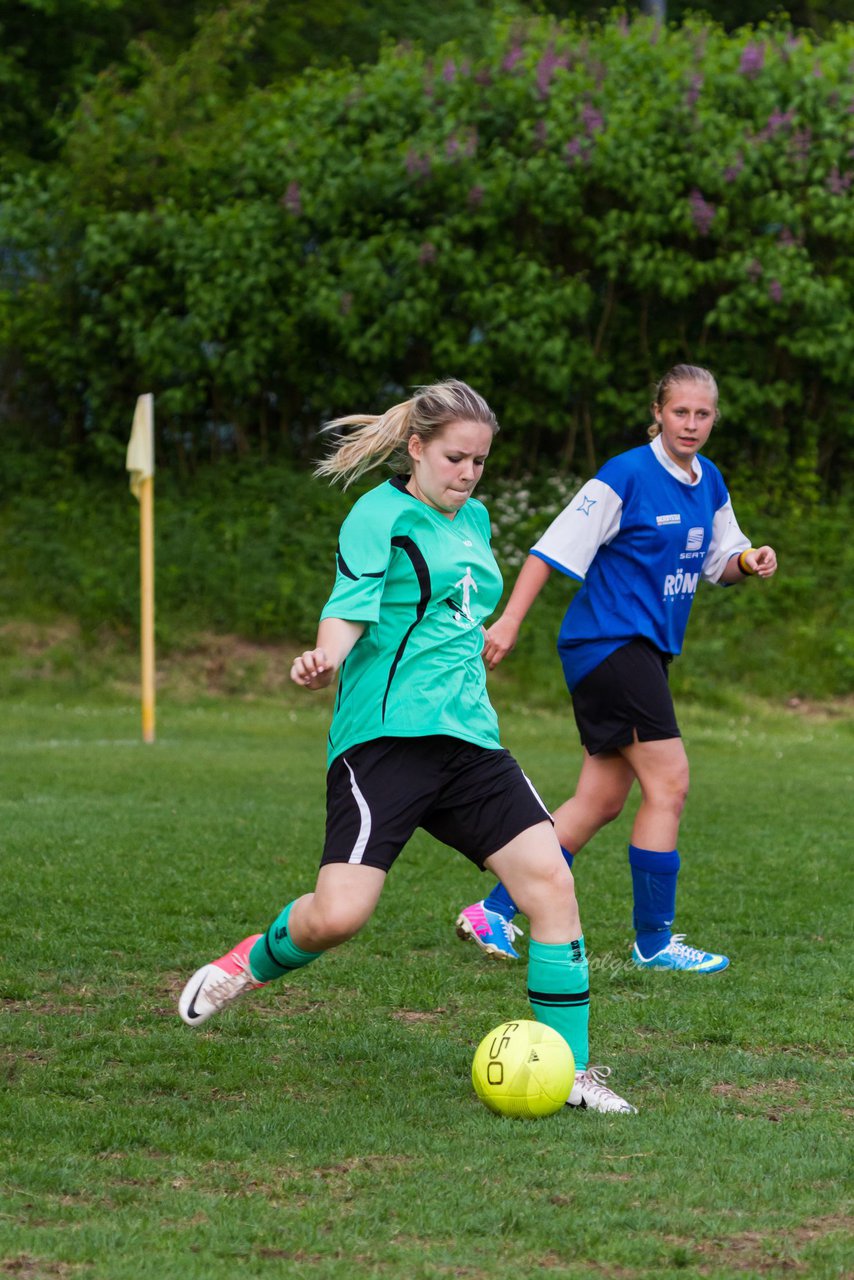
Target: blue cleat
{"type": "Point", "coordinates": [492, 933]}
{"type": "Point", "coordinates": [677, 956]}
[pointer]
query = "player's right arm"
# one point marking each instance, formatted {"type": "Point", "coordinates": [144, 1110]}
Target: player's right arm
{"type": "Point", "coordinates": [502, 635]}
{"type": "Point", "coordinates": [315, 669]}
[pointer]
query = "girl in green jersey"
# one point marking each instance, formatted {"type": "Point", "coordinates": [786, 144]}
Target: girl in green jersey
{"type": "Point", "coordinates": [414, 739]}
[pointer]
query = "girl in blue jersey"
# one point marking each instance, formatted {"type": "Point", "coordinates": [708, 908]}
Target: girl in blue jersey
{"type": "Point", "coordinates": [639, 536]}
{"type": "Point", "coordinates": [414, 740]}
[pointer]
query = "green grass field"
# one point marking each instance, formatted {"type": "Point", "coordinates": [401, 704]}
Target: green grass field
{"type": "Point", "coordinates": [327, 1127]}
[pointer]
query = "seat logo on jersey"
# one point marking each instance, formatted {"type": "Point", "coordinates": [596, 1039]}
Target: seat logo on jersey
{"type": "Point", "coordinates": [681, 584]}
{"type": "Point", "coordinates": [585, 505]}
{"type": "Point", "coordinates": [675, 518]}
{"type": "Point", "coordinates": [695, 538]}
{"type": "Point", "coordinates": [462, 612]}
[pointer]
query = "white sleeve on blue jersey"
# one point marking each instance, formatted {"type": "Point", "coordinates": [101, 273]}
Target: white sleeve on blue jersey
{"type": "Point", "coordinates": [727, 540]}
{"type": "Point", "coordinates": [589, 521]}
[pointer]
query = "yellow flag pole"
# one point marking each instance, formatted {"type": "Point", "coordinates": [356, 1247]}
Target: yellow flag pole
{"type": "Point", "coordinates": [140, 464]}
{"type": "Point", "coordinates": [146, 586]}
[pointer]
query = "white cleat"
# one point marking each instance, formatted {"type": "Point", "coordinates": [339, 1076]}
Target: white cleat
{"type": "Point", "coordinates": [215, 985]}
{"type": "Point", "coordinates": [590, 1092]}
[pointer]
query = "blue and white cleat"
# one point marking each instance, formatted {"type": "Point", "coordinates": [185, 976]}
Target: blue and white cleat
{"type": "Point", "coordinates": [492, 933]}
{"type": "Point", "coordinates": [677, 956]}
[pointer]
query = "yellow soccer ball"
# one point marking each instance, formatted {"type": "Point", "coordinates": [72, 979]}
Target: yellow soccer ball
{"type": "Point", "coordinates": [523, 1069]}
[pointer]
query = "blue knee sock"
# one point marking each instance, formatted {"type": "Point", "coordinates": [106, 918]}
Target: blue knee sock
{"type": "Point", "coordinates": [654, 887]}
{"type": "Point", "coordinates": [499, 900]}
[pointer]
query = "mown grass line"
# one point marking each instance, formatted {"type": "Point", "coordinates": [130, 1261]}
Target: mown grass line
{"type": "Point", "coordinates": [327, 1127]}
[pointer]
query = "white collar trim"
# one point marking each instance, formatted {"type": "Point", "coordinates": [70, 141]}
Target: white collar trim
{"type": "Point", "coordinates": [675, 470]}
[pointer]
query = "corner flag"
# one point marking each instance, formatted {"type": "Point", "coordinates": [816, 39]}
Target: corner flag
{"type": "Point", "coordinates": [140, 464]}
{"type": "Point", "coordinates": [140, 455]}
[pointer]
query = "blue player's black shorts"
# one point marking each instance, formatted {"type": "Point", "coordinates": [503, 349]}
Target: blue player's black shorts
{"type": "Point", "coordinates": [626, 699]}
{"type": "Point", "coordinates": [472, 798]}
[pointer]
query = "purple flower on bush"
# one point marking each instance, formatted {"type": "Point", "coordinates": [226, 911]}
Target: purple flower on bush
{"type": "Point", "coordinates": [574, 150]}
{"type": "Point", "coordinates": [546, 67]}
{"type": "Point", "coordinates": [776, 121]}
{"type": "Point", "coordinates": [449, 71]}
{"type": "Point", "coordinates": [752, 60]}
{"type": "Point", "coordinates": [512, 57]}
{"type": "Point", "coordinates": [838, 183]}
{"type": "Point", "coordinates": [475, 197]}
{"type": "Point", "coordinates": [592, 119]}
{"type": "Point", "coordinates": [775, 291]}
{"type": "Point", "coordinates": [452, 146]}
{"type": "Point", "coordinates": [732, 171]}
{"type": "Point", "coordinates": [483, 77]}
{"type": "Point", "coordinates": [801, 143]}
{"type": "Point", "coordinates": [702, 213]}
{"type": "Point", "coordinates": [417, 166]}
{"type": "Point", "coordinates": [426, 254]}
{"type": "Point", "coordinates": [291, 199]}
{"type": "Point", "coordinates": [694, 90]}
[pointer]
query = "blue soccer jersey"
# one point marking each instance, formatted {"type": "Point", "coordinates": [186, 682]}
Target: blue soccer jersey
{"type": "Point", "coordinates": [639, 536]}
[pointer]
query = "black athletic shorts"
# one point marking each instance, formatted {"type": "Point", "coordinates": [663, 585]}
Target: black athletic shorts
{"type": "Point", "coordinates": [472, 798]}
{"type": "Point", "coordinates": [626, 699]}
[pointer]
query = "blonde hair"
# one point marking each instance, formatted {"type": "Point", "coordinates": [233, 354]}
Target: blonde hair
{"type": "Point", "coordinates": [680, 373]}
{"type": "Point", "coordinates": [384, 437]}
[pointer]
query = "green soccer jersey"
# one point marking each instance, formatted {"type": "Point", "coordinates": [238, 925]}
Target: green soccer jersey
{"type": "Point", "coordinates": [422, 585]}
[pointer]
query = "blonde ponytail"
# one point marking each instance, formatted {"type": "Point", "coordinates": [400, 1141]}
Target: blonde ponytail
{"type": "Point", "coordinates": [385, 437]}
{"type": "Point", "coordinates": [377, 438]}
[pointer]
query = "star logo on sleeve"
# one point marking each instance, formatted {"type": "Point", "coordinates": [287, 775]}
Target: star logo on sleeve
{"type": "Point", "coordinates": [585, 505]}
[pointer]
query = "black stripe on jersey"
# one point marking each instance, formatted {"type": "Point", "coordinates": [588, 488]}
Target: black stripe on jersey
{"type": "Point", "coordinates": [555, 998]}
{"type": "Point", "coordinates": [422, 573]}
{"type": "Point", "coordinates": [344, 568]}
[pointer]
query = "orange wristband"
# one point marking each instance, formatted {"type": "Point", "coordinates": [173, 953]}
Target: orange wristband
{"type": "Point", "coordinates": [742, 567]}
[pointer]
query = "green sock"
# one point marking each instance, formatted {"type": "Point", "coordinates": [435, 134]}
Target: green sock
{"type": "Point", "coordinates": [559, 992]}
{"type": "Point", "coordinates": [275, 954]}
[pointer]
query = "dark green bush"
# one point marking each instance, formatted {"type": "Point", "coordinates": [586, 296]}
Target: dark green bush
{"type": "Point", "coordinates": [558, 222]}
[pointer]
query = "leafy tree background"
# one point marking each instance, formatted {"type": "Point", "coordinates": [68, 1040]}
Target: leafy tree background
{"type": "Point", "coordinates": [271, 213]}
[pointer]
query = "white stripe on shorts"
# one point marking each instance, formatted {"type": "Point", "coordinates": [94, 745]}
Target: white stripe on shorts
{"type": "Point", "coordinates": [536, 793]}
{"type": "Point", "coordinates": [365, 828]}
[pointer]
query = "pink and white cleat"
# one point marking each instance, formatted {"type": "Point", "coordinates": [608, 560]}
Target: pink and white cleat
{"type": "Point", "coordinates": [215, 985]}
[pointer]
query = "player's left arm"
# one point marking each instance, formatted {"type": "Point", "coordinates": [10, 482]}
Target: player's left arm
{"type": "Point", "coordinates": [760, 562]}
{"type": "Point", "coordinates": [730, 558]}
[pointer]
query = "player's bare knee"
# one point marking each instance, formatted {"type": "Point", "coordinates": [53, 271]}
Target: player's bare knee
{"type": "Point", "coordinates": [554, 883]}
{"type": "Point", "coordinates": [333, 923]}
{"type": "Point", "coordinates": [609, 808]}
